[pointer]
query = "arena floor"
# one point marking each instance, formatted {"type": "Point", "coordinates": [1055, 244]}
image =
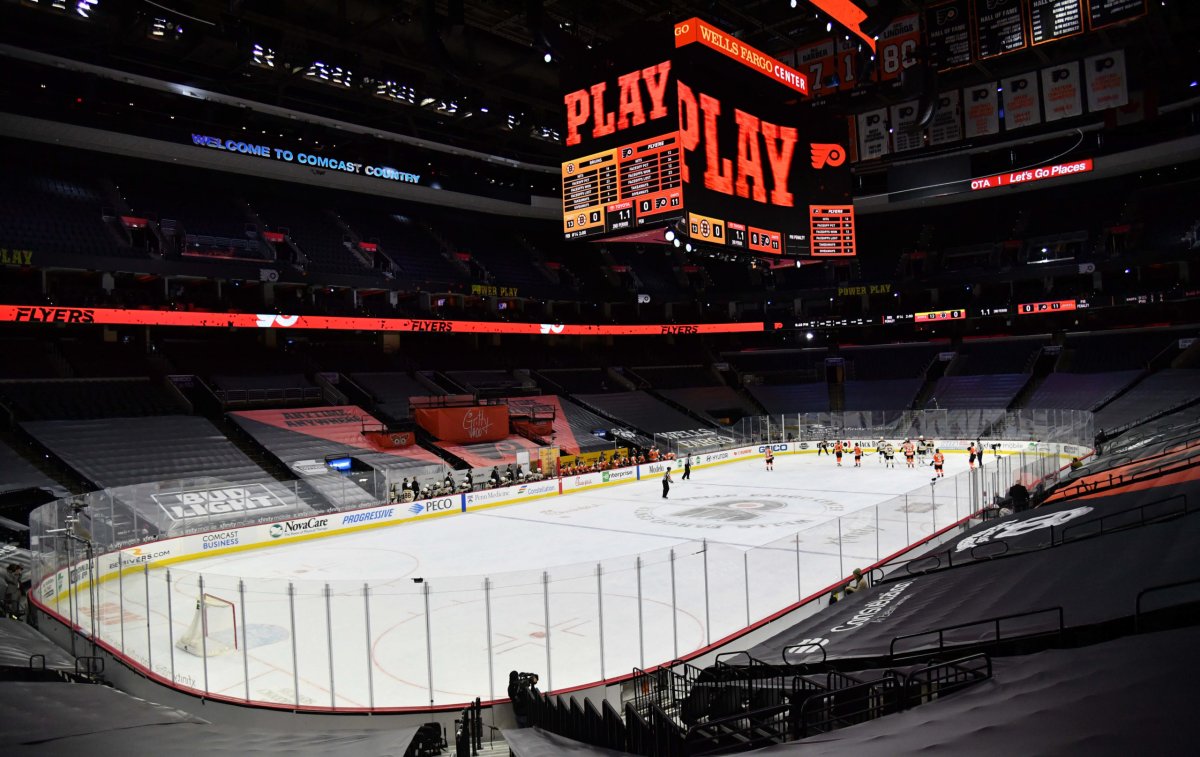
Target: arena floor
{"type": "Point", "coordinates": [730, 547]}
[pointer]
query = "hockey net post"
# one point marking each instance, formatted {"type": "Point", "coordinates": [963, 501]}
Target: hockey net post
{"type": "Point", "coordinates": [213, 630]}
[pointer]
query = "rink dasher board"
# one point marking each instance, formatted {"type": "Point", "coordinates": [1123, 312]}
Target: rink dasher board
{"type": "Point", "coordinates": [52, 590]}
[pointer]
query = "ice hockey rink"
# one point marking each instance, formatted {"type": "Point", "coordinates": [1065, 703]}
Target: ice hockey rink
{"type": "Point", "coordinates": [577, 588]}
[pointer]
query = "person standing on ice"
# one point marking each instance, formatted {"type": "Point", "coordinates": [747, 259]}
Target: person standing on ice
{"type": "Point", "coordinates": [666, 479]}
{"type": "Point", "coordinates": [687, 469]}
{"type": "Point", "coordinates": [769, 455]}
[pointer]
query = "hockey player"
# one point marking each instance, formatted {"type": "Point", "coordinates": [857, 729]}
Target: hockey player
{"type": "Point", "coordinates": [769, 456]}
{"type": "Point", "coordinates": [879, 445]}
{"type": "Point", "coordinates": [837, 452]}
{"type": "Point", "coordinates": [889, 455]}
{"type": "Point", "coordinates": [938, 460]}
{"type": "Point", "coordinates": [971, 455]}
{"type": "Point", "coordinates": [857, 455]}
{"type": "Point", "coordinates": [908, 452]}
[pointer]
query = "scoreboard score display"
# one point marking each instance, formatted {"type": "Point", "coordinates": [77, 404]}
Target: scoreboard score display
{"type": "Point", "coordinates": [709, 137]}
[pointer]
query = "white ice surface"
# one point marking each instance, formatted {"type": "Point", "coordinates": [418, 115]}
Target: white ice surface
{"type": "Point", "coordinates": [578, 558]}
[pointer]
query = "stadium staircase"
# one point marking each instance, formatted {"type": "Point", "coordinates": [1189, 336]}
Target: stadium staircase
{"type": "Point", "coordinates": [21, 442]}
{"type": "Point", "coordinates": [935, 369]}
{"type": "Point", "coordinates": [1041, 364]}
{"type": "Point", "coordinates": [700, 419]}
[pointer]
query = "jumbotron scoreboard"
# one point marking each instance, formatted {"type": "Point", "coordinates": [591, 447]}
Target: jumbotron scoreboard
{"type": "Point", "coordinates": [712, 139]}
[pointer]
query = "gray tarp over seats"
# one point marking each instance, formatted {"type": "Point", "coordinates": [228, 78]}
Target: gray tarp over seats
{"type": "Point", "coordinates": [1093, 580]}
{"type": "Point", "coordinates": [787, 399]}
{"type": "Point", "coordinates": [302, 439]}
{"type": "Point", "coordinates": [19, 642]}
{"type": "Point", "coordinates": [17, 473]}
{"type": "Point", "coordinates": [1156, 393]}
{"type": "Point", "coordinates": [121, 451]}
{"type": "Point", "coordinates": [392, 390]}
{"type": "Point", "coordinates": [55, 719]}
{"type": "Point", "coordinates": [713, 402]}
{"type": "Point", "coordinates": [1079, 391]}
{"type": "Point", "coordinates": [535, 742]}
{"type": "Point", "coordinates": [641, 411]}
{"type": "Point", "coordinates": [582, 423]}
{"type": "Point", "coordinates": [573, 425]}
{"type": "Point", "coordinates": [1131, 696]}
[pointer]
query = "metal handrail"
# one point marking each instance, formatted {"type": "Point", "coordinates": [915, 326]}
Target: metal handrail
{"type": "Point", "coordinates": [941, 632]}
{"type": "Point", "coordinates": [1137, 607]}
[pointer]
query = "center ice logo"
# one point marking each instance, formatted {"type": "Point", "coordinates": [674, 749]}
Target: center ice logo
{"type": "Point", "coordinates": [722, 512]}
{"type": "Point", "coordinates": [732, 510]}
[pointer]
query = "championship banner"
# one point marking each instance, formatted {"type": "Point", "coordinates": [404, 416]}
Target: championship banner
{"type": "Point", "coordinates": [1022, 105]}
{"type": "Point", "coordinates": [195, 319]}
{"type": "Point", "coordinates": [872, 134]}
{"type": "Point", "coordinates": [982, 110]}
{"type": "Point", "coordinates": [464, 425]}
{"type": "Point", "coordinates": [1061, 95]}
{"type": "Point", "coordinates": [906, 135]}
{"type": "Point", "coordinates": [1107, 85]}
{"type": "Point", "coordinates": [947, 125]}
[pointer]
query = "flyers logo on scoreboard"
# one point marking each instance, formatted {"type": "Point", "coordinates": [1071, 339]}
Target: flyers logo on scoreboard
{"type": "Point", "coordinates": [826, 155]}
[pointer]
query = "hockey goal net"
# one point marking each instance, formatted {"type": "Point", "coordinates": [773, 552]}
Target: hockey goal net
{"type": "Point", "coordinates": [213, 630]}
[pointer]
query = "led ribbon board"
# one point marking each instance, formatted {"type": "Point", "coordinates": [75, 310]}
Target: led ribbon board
{"type": "Point", "coordinates": [118, 317]}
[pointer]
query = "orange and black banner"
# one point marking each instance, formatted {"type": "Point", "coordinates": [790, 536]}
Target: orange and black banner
{"type": "Point", "coordinates": [119, 317]}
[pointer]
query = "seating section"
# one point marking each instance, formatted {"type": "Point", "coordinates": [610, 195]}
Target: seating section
{"type": "Point", "coordinates": [719, 404]}
{"type": "Point", "coordinates": [316, 234]}
{"type": "Point", "coordinates": [391, 391]}
{"type": "Point", "coordinates": [485, 382]}
{"type": "Point", "coordinates": [17, 473]}
{"type": "Point", "coordinates": [88, 398]}
{"type": "Point", "coordinates": [781, 366]}
{"type": "Point", "coordinates": [793, 398]}
{"type": "Point", "coordinates": [889, 361]}
{"type": "Point", "coordinates": [1102, 352]}
{"type": "Point", "coordinates": [1079, 391]}
{"type": "Point", "coordinates": [576, 380]}
{"type": "Point", "coordinates": [675, 376]}
{"type": "Point", "coordinates": [1158, 392]}
{"type": "Point", "coordinates": [96, 359]}
{"type": "Point", "coordinates": [581, 424]}
{"type": "Point", "coordinates": [42, 212]}
{"type": "Point", "coordinates": [303, 439]}
{"type": "Point", "coordinates": [882, 394]}
{"type": "Point", "coordinates": [122, 451]}
{"type": "Point", "coordinates": [641, 411]}
{"type": "Point", "coordinates": [27, 358]}
{"type": "Point", "coordinates": [997, 356]}
{"type": "Point", "coordinates": [965, 392]}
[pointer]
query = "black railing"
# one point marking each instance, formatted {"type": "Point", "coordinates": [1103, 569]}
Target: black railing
{"type": "Point", "coordinates": [849, 706]}
{"type": "Point", "coordinates": [937, 680]}
{"type": "Point", "coordinates": [1139, 619]}
{"type": "Point", "coordinates": [1058, 628]}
